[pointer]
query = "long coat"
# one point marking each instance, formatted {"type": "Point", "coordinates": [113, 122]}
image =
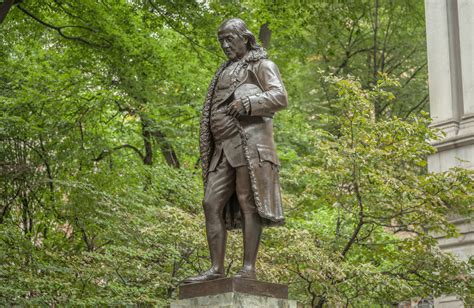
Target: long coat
{"type": "Point", "coordinates": [259, 80]}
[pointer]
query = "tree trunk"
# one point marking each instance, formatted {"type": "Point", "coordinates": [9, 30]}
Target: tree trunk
{"type": "Point", "coordinates": [166, 149]}
{"type": "Point", "coordinates": [5, 8]}
{"type": "Point", "coordinates": [148, 158]}
{"type": "Point", "coordinates": [265, 35]}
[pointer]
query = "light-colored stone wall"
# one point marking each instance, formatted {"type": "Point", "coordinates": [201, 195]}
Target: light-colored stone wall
{"type": "Point", "coordinates": [450, 36]}
{"type": "Point", "coordinates": [462, 246]}
{"type": "Point", "coordinates": [460, 156]}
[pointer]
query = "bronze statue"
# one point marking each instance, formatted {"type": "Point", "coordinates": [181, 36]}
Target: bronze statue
{"type": "Point", "coordinates": [238, 156]}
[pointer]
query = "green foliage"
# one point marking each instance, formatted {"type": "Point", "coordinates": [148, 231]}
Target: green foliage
{"type": "Point", "coordinates": [100, 184]}
{"type": "Point", "coordinates": [115, 245]}
{"type": "Point", "coordinates": [364, 209]}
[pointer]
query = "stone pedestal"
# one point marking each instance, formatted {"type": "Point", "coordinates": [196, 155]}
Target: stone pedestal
{"type": "Point", "coordinates": [234, 292]}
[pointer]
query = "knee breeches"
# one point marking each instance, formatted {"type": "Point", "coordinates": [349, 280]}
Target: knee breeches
{"type": "Point", "coordinates": [222, 183]}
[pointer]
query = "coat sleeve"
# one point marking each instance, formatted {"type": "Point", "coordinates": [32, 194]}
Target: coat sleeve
{"type": "Point", "coordinates": [274, 97]}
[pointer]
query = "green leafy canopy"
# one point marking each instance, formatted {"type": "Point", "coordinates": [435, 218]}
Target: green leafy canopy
{"type": "Point", "coordinates": [99, 171]}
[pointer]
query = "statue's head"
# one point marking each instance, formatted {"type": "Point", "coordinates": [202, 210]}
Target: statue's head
{"type": "Point", "coordinates": [235, 38]}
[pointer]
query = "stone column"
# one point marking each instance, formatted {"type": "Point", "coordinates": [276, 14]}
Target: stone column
{"type": "Point", "coordinates": [449, 33]}
{"type": "Point", "coordinates": [466, 37]}
{"type": "Point", "coordinates": [444, 64]}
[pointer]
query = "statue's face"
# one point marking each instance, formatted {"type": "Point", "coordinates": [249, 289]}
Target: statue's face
{"type": "Point", "coordinates": [233, 45]}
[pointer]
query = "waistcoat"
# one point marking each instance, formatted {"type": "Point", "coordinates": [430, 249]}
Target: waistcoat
{"type": "Point", "coordinates": [222, 125]}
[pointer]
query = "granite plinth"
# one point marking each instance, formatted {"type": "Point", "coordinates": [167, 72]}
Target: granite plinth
{"type": "Point", "coordinates": [226, 285]}
{"type": "Point", "coordinates": [234, 300]}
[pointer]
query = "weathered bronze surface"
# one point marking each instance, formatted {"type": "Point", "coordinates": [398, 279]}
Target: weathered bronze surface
{"type": "Point", "coordinates": [239, 160]}
{"type": "Point", "coordinates": [225, 285]}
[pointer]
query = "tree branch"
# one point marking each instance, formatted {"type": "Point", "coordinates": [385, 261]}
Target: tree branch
{"type": "Point", "coordinates": [60, 29]}
{"type": "Point", "coordinates": [106, 153]}
{"type": "Point", "coordinates": [395, 66]}
{"type": "Point", "coordinates": [414, 74]}
{"type": "Point", "coordinates": [173, 27]}
{"type": "Point", "coordinates": [6, 208]}
{"type": "Point", "coordinates": [350, 44]}
{"type": "Point", "coordinates": [421, 103]}
{"type": "Point", "coordinates": [361, 222]}
{"type": "Point", "coordinates": [386, 37]}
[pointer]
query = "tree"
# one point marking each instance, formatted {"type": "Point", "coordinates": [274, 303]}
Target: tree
{"type": "Point", "coordinates": [80, 134]}
{"type": "Point", "coordinates": [359, 38]}
{"type": "Point", "coordinates": [365, 208]}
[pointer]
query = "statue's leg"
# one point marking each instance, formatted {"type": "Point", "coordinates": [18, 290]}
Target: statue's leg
{"type": "Point", "coordinates": [220, 187]}
{"type": "Point", "coordinates": [252, 224]}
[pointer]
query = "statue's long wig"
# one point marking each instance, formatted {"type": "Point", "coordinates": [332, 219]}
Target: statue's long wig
{"type": "Point", "coordinates": [240, 28]}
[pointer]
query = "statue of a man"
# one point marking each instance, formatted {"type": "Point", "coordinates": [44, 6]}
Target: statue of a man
{"type": "Point", "coordinates": [239, 160]}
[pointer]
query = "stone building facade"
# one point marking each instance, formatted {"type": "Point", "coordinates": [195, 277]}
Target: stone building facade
{"type": "Point", "coordinates": [450, 41]}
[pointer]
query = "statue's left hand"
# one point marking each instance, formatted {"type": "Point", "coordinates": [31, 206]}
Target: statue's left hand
{"type": "Point", "coordinates": [236, 108]}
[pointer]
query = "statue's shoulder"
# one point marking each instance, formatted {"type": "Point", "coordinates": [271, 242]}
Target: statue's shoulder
{"type": "Point", "coordinates": [265, 65]}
